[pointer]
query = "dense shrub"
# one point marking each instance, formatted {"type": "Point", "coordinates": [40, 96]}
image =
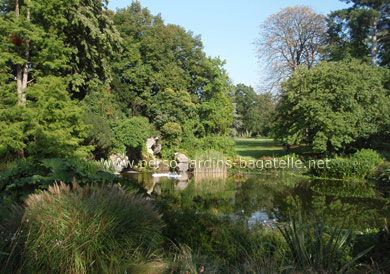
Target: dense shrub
{"type": "Point", "coordinates": [172, 134]}
{"type": "Point", "coordinates": [193, 146]}
{"type": "Point", "coordinates": [88, 230]}
{"type": "Point", "coordinates": [224, 144]}
{"type": "Point", "coordinates": [360, 165]}
{"type": "Point", "coordinates": [131, 133]}
{"type": "Point", "coordinates": [368, 156]}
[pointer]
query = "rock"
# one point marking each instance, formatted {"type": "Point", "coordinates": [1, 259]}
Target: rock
{"type": "Point", "coordinates": [119, 162]}
{"type": "Point", "coordinates": [181, 158]}
{"type": "Point", "coordinates": [182, 162]}
{"type": "Point", "coordinates": [184, 176]}
{"type": "Point", "coordinates": [182, 167]}
{"type": "Point", "coordinates": [149, 144]}
{"type": "Point", "coordinates": [157, 149]}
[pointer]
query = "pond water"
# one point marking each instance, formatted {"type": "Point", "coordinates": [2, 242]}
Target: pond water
{"type": "Point", "coordinates": [273, 198]}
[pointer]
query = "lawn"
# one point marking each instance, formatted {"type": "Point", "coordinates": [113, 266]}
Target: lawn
{"type": "Point", "coordinates": [255, 148]}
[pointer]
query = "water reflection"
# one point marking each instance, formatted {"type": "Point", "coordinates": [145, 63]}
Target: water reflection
{"type": "Point", "coordinates": [267, 199]}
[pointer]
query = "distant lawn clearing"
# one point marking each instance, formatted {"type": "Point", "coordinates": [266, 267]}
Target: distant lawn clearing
{"type": "Point", "coordinates": [255, 148]}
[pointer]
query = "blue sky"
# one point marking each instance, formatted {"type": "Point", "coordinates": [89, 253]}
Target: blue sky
{"type": "Point", "coordinates": [228, 28]}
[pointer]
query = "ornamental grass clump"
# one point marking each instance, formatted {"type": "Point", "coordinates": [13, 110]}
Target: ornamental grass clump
{"type": "Point", "coordinates": [90, 230]}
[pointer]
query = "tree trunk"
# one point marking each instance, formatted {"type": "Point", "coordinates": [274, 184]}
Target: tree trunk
{"type": "Point", "coordinates": [17, 8]}
{"type": "Point", "coordinates": [18, 66]}
{"type": "Point", "coordinates": [22, 75]}
{"type": "Point", "coordinates": [26, 64]}
{"type": "Point", "coordinates": [374, 47]}
{"type": "Point", "coordinates": [19, 82]}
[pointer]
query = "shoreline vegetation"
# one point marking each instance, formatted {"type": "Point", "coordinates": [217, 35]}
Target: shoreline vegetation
{"type": "Point", "coordinates": [86, 91]}
{"type": "Point", "coordinates": [186, 241]}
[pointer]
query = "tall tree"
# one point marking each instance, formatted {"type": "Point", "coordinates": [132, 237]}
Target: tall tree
{"type": "Point", "coordinates": [335, 107]}
{"type": "Point", "coordinates": [254, 110]}
{"type": "Point", "coordinates": [361, 31]}
{"type": "Point", "coordinates": [165, 64]}
{"type": "Point", "coordinates": [155, 57]}
{"type": "Point", "coordinates": [74, 38]}
{"type": "Point", "coordinates": [87, 30]}
{"type": "Point", "coordinates": [36, 58]}
{"type": "Point", "coordinates": [292, 37]}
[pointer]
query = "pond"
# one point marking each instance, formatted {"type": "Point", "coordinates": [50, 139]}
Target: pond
{"type": "Point", "coordinates": [273, 198]}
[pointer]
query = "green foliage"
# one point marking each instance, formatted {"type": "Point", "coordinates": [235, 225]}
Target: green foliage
{"type": "Point", "coordinates": [156, 57]}
{"type": "Point", "coordinates": [100, 110]}
{"type": "Point", "coordinates": [351, 31]}
{"type": "Point", "coordinates": [216, 108]}
{"type": "Point", "coordinates": [219, 143]}
{"type": "Point", "coordinates": [335, 107]}
{"type": "Point", "coordinates": [46, 52]}
{"type": "Point", "coordinates": [369, 156]}
{"type": "Point", "coordinates": [360, 165]}
{"type": "Point", "coordinates": [87, 230]}
{"type": "Point", "coordinates": [73, 38]}
{"type": "Point", "coordinates": [66, 46]}
{"type": "Point", "coordinates": [56, 127]}
{"type": "Point", "coordinates": [171, 132]}
{"type": "Point", "coordinates": [290, 156]}
{"type": "Point", "coordinates": [165, 75]}
{"type": "Point", "coordinates": [377, 241]}
{"type": "Point", "coordinates": [99, 134]}
{"type": "Point", "coordinates": [172, 106]}
{"type": "Point", "coordinates": [25, 176]}
{"type": "Point", "coordinates": [100, 101]}
{"type": "Point", "coordinates": [385, 176]}
{"type": "Point", "coordinates": [317, 248]}
{"type": "Point", "coordinates": [158, 71]}
{"type": "Point", "coordinates": [348, 30]}
{"type": "Point", "coordinates": [13, 127]}
{"type": "Point", "coordinates": [50, 125]}
{"type": "Point", "coordinates": [254, 111]}
{"type": "Point", "coordinates": [225, 242]}
{"type": "Point", "coordinates": [343, 168]}
{"type": "Point", "coordinates": [224, 144]}
{"type": "Point", "coordinates": [131, 133]}
{"type": "Point", "coordinates": [88, 35]}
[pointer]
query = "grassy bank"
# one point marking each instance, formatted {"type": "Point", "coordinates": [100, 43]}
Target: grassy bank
{"type": "Point", "coordinates": [255, 148]}
{"type": "Point", "coordinates": [363, 164]}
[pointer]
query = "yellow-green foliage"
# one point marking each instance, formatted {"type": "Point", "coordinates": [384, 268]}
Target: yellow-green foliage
{"type": "Point", "coordinates": [50, 125]}
{"type": "Point", "coordinates": [131, 133]}
{"type": "Point", "coordinates": [360, 165]}
{"type": "Point", "coordinates": [89, 230]}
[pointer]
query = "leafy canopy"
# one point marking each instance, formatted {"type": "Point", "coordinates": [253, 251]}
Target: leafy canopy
{"type": "Point", "coordinates": [335, 107]}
